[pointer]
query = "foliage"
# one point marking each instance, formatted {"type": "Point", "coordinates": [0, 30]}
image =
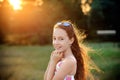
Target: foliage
{"type": "Point", "coordinates": [36, 22]}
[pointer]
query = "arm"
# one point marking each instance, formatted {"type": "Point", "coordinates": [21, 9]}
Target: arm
{"type": "Point", "coordinates": [55, 57]}
{"type": "Point", "coordinates": [51, 70]}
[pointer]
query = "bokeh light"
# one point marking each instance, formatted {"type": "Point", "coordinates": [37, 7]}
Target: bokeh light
{"type": "Point", "coordinates": [16, 4]}
{"type": "Point", "coordinates": [1, 0]}
{"type": "Point", "coordinates": [85, 5]}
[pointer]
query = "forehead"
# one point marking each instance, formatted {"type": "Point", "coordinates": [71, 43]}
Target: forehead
{"type": "Point", "coordinates": [59, 32]}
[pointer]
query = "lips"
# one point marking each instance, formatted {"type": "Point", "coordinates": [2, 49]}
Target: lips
{"type": "Point", "coordinates": [57, 47]}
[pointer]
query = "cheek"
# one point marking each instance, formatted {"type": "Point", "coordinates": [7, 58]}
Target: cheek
{"type": "Point", "coordinates": [65, 44]}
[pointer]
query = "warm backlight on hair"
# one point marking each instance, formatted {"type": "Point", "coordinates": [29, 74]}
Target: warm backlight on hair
{"type": "Point", "coordinates": [16, 4]}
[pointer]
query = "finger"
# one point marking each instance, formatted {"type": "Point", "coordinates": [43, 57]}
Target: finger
{"type": "Point", "coordinates": [56, 52]}
{"type": "Point", "coordinates": [61, 54]}
{"type": "Point", "coordinates": [52, 53]}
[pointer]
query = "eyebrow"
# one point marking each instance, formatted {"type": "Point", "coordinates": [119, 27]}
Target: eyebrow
{"type": "Point", "coordinates": [58, 37]}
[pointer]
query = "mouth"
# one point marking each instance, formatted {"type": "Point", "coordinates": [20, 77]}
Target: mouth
{"type": "Point", "coordinates": [58, 47]}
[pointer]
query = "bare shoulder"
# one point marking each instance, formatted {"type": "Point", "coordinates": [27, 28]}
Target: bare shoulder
{"type": "Point", "coordinates": [70, 61]}
{"type": "Point", "coordinates": [68, 67]}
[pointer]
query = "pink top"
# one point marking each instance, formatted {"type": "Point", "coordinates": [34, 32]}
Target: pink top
{"type": "Point", "coordinates": [68, 77]}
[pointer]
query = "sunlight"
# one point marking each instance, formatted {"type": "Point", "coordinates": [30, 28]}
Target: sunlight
{"type": "Point", "coordinates": [1, 0]}
{"type": "Point", "coordinates": [16, 4]}
{"type": "Point", "coordinates": [85, 8]}
{"type": "Point", "coordinates": [38, 2]}
{"type": "Point", "coordinates": [85, 5]}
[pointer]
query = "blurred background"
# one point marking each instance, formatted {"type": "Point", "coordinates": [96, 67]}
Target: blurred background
{"type": "Point", "coordinates": [26, 35]}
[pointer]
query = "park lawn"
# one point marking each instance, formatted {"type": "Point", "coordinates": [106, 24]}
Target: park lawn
{"type": "Point", "coordinates": [30, 62]}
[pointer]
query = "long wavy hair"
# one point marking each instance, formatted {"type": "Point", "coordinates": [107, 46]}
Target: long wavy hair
{"type": "Point", "coordinates": [80, 51]}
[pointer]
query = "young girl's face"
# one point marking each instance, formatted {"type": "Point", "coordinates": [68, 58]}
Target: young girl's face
{"type": "Point", "coordinates": [61, 41]}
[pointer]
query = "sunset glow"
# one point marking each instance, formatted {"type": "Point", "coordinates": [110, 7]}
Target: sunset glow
{"type": "Point", "coordinates": [16, 4]}
{"type": "Point", "coordinates": [1, 0]}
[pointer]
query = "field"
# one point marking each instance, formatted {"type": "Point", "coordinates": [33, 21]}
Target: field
{"type": "Point", "coordinates": [30, 62]}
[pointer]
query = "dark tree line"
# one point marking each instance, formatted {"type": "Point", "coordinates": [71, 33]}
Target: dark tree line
{"type": "Point", "coordinates": [106, 16]}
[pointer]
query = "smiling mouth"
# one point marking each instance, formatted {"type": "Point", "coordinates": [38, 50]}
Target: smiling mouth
{"type": "Point", "coordinates": [57, 47]}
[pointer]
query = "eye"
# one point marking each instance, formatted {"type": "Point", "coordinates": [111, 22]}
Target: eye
{"type": "Point", "coordinates": [61, 39]}
{"type": "Point", "coordinates": [54, 38]}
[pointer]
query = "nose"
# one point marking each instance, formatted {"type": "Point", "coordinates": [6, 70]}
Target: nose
{"type": "Point", "coordinates": [55, 42]}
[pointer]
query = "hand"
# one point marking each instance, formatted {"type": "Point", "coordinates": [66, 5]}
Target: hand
{"type": "Point", "coordinates": [56, 56]}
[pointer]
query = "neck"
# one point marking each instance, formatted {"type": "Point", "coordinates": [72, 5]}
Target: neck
{"type": "Point", "coordinates": [68, 53]}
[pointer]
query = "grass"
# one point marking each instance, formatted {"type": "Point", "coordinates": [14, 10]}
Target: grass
{"type": "Point", "coordinates": [24, 62]}
{"type": "Point", "coordinates": [30, 62]}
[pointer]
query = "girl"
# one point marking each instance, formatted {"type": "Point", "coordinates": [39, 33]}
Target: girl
{"type": "Point", "coordinates": [69, 60]}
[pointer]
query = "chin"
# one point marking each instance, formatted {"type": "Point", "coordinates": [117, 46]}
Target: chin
{"type": "Point", "coordinates": [59, 50]}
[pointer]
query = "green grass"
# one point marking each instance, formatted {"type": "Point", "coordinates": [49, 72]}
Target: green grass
{"type": "Point", "coordinates": [25, 62]}
{"type": "Point", "coordinates": [30, 62]}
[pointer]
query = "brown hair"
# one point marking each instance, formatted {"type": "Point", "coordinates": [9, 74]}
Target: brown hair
{"type": "Point", "coordinates": [80, 52]}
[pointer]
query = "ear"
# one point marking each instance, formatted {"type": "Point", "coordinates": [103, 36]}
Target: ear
{"type": "Point", "coordinates": [71, 40]}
